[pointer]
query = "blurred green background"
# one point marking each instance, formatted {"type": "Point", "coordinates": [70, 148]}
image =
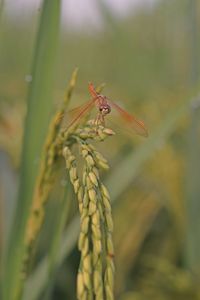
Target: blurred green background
{"type": "Point", "coordinates": [148, 56]}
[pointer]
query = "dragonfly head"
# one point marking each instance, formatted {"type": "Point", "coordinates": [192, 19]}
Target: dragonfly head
{"type": "Point", "coordinates": [104, 109]}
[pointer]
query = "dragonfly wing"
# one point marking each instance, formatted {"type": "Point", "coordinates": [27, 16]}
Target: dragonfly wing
{"type": "Point", "coordinates": [92, 90]}
{"type": "Point", "coordinates": [133, 123]}
{"type": "Point", "coordinates": [75, 115]}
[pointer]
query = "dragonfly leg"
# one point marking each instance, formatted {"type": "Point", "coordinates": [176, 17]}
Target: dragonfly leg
{"type": "Point", "coordinates": [102, 120]}
{"type": "Point", "coordinates": [99, 120]}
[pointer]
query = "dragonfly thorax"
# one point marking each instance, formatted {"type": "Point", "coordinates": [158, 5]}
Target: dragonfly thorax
{"type": "Point", "coordinates": [104, 109]}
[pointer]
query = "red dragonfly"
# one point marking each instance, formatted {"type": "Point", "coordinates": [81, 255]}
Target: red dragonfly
{"type": "Point", "coordinates": [104, 106]}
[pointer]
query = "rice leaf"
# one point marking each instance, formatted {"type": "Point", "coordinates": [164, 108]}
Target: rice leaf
{"type": "Point", "coordinates": [38, 112]}
{"type": "Point", "coordinates": [192, 247]}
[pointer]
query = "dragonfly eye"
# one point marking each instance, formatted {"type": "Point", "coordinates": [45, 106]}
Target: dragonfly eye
{"type": "Point", "coordinates": [108, 109]}
{"type": "Point", "coordinates": [105, 109]}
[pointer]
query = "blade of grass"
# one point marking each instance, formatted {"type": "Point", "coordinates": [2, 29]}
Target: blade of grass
{"type": "Point", "coordinates": [193, 41]}
{"type": "Point", "coordinates": [36, 124]}
{"type": "Point", "coordinates": [37, 281]}
{"type": "Point", "coordinates": [116, 184]}
{"type": "Point", "coordinates": [61, 216]}
{"type": "Point", "coordinates": [1, 9]}
{"type": "Point", "coordinates": [192, 249]}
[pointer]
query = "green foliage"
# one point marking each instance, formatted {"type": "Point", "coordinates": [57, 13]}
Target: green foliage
{"type": "Point", "coordinates": [148, 60]}
{"type": "Point", "coordinates": [38, 113]}
{"type": "Point", "coordinates": [193, 189]}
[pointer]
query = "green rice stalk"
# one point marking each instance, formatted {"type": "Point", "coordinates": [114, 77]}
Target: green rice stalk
{"type": "Point", "coordinates": [39, 105]}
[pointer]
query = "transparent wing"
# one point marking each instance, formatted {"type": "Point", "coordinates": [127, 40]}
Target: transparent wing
{"type": "Point", "coordinates": [77, 114]}
{"type": "Point", "coordinates": [132, 123]}
{"type": "Point", "coordinates": [92, 90]}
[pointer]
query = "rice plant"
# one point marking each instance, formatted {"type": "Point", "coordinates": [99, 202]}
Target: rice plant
{"type": "Point", "coordinates": [99, 214]}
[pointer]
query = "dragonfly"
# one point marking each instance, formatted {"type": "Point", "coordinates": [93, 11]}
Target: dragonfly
{"type": "Point", "coordinates": [104, 107]}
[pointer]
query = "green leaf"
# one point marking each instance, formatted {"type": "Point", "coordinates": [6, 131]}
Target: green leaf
{"type": "Point", "coordinates": [38, 113]}
{"type": "Point", "coordinates": [1, 8]}
{"type": "Point", "coordinates": [192, 247]}
{"type": "Point", "coordinates": [61, 214]}
{"type": "Point", "coordinates": [38, 279]}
